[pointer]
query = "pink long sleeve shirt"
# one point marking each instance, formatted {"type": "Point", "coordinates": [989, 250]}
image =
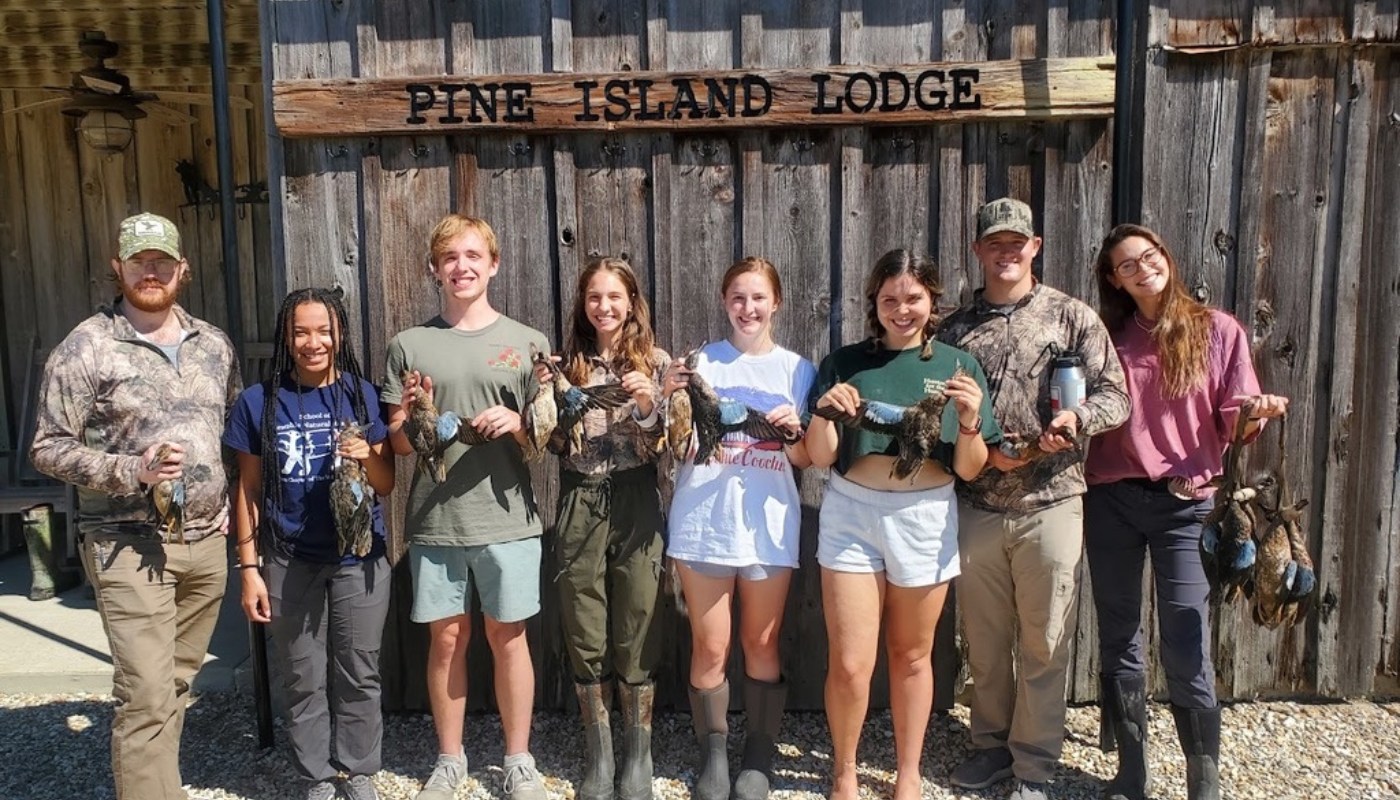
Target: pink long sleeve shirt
{"type": "Point", "coordinates": [1182, 437]}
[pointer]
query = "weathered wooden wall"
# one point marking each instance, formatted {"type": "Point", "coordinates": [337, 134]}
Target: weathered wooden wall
{"type": "Point", "coordinates": [1224, 138]}
{"type": "Point", "coordinates": [61, 201]}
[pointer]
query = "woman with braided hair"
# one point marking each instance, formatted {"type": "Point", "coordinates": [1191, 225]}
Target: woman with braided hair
{"type": "Point", "coordinates": [898, 417]}
{"type": "Point", "coordinates": [308, 586]}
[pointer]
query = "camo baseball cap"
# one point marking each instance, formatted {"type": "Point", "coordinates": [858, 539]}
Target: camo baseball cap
{"type": "Point", "coordinates": [1005, 214]}
{"type": "Point", "coordinates": [147, 232]}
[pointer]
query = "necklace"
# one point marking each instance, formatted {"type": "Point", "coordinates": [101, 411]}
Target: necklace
{"type": "Point", "coordinates": [1137, 317]}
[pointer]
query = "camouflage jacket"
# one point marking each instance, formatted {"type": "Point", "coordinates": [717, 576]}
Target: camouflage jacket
{"type": "Point", "coordinates": [107, 396]}
{"type": "Point", "coordinates": [615, 440]}
{"type": "Point", "coordinates": [1016, 344]}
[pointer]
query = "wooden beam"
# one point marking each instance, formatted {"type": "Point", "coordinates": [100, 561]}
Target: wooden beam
{"type": "Point", "coordinates": [182, 78]}
{"type": "Point", "coordinates": [132, 28]}
{"type": "Point", "coordinates": [1065, 88]}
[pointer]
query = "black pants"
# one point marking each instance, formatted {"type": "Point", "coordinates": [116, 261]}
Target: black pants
{"type": "Point", "coordinates": [1123, 522]}
{"type": "Point", "coordinates": [609, 546]}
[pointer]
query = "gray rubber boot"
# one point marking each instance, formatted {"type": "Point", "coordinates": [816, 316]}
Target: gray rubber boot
{"type": "Point", "coordinates": [593, 702]}
{"type": "Point", "coordinates": [763, 711]}
{"type": "Point", "coordinates": [1128, 701]}
{"type": "Point", "coordinates": [635, 781]}
{"type": "Point", "coordinates": [1199, 730]}
{"type": "Point", "coordinates": [708, 710]}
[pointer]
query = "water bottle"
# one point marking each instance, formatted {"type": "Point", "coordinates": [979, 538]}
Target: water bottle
{"type": "Point", "coordinates": [1066, 383]}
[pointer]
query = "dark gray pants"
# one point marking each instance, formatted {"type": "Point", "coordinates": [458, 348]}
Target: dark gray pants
{"type": "Point", "coordinates": [335, 613]}
{"type": "Point", "coordinates": [608, 545]}
{"type": "Point", "coordinates": [1123, 522]}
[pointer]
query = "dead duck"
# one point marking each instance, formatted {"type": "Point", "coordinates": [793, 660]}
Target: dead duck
{"type": "Point", "coordinates": [572, 402]}
{"type": "Point", "coordinates": [352, 497]}
{"type": "Point", "coordinates": [712, 417]}
{"type": "Point", "coordinates": [1228, 548]}
{"type": "Point", "coordinates": [541, 415]}
{"type": "Point", "coordinates": [1284, 579]}
{"type": "Point", "coordinates": [916, 429]}
{"type": "Point", "coordinates": [430, 433]}
{"type": "Point", "coordinates": [167, 500]}
{"type": "Point", "coordinates": [1027, 447]}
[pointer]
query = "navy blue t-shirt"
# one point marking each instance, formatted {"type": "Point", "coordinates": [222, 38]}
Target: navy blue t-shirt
{"type": "Point", "coordinates": [302, 524]}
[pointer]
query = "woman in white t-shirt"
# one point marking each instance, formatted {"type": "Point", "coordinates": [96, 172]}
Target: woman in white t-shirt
{"type": "Point", "coordinates": [734, 527]}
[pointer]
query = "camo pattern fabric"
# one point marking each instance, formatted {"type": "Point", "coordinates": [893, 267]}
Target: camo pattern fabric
{"type": "Point", "coordinates": [1015, 345]}
{"type": "Point", "coordinates": [614, 440]}
{"type": "Point", "coordinates": [107, 396]}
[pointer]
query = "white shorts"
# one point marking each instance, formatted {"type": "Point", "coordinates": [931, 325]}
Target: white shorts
{"type": "Point", "coordinates": [912, 537]}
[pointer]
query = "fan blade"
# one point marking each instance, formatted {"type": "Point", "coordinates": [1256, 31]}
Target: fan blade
{"type": "Point", "coordinates": [197, 99]}
{"type": "Point", "coordinates": [35, 105]}
{"type": "Point", "coordinates": [167, 115]}
{"type": "Point", "coordinates": [99, 85]}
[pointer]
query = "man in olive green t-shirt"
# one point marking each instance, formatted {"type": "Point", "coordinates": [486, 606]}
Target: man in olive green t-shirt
{"type": "Point", "coordinates": [480, 526]}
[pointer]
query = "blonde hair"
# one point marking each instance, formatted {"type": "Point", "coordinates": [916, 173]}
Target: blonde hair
{"type": "Point", "coordinates": [454, 225]}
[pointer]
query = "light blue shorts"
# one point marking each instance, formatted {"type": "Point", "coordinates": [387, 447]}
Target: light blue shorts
{"type": "Point", "coordinates": [912, 537]}
{"type": "Point", "coordinates": [506, 576]}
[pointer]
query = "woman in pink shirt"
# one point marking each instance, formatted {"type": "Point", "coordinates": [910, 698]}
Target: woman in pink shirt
{"type": "Point", "coordinates": [1188, 372]}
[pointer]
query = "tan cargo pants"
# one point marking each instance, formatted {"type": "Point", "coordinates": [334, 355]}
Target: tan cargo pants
{"type": "Point", "coordinates": [159, 603]}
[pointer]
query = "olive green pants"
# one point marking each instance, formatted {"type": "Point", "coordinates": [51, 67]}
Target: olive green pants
{"type": "Point", "coordinates": [608, 545]}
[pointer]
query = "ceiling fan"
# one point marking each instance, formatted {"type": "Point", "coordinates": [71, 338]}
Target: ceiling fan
{"type": "Point", "coordinates": [101, 89]}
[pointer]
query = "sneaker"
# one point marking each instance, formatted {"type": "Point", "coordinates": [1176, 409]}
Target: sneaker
{"type": "Point", "coordinates": [361, 787]}
{"type": "Point", "coordinates": [321, 790]}
{"type": "Point", "coordinates": [522, 780]}
{"type": "Point", "coordinates": [448, 774]}
{"type": "Point", "coordinates": [1029, 790]}
{"type": "Point", "coordinates": [983, 768]}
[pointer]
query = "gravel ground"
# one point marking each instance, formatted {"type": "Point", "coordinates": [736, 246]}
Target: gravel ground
{"type": "Point", "coordinates": [55, 746]}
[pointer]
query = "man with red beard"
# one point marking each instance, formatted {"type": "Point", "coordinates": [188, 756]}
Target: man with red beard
{"type": "Point", "coordinates": [132, 406]}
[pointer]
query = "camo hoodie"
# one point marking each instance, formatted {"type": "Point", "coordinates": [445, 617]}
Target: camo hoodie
{"type": "Point", "coordinates": [107, 395]}
{"type": "Point", "coordinates": [1015, 344]}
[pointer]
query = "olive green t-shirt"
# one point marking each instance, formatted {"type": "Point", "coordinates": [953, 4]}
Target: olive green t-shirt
{"type": "Point", "coordinates": [901, 378]}
{"type": "Point", "coordinates": [487, 497]}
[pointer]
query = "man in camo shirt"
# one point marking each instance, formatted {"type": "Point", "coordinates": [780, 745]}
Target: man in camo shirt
{"type": "Point", "coordinates": [1020, 524]}
{"type": "Point", "coordinates": [133, 403]}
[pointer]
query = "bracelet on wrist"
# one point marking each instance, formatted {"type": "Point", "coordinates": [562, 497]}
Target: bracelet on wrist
{"type": "Point", "coordinates": [250, 566]}
{"type": "Point", "coordinates": [972, 430]}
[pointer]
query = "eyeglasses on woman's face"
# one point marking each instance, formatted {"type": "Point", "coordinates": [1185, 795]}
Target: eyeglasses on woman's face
{"type": "Point", "coordinates": [1129, 267]}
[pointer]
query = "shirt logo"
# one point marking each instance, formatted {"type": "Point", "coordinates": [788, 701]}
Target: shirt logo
{"type": "Point", "coordinates": [508, 359]}
{"type": "Point", "coordinates": [931, 385]}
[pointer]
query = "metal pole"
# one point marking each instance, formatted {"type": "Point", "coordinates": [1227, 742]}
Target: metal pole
{"type": "Point", "coordinates": [1123, 113]}
{"type": "Point", "coordinates": [223, 147]}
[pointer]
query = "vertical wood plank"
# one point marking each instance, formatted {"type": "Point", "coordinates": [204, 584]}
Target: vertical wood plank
{"type": "Point", "coordinates": [20, 301]}
{"type": "Point", "coordinates": [54, 204]}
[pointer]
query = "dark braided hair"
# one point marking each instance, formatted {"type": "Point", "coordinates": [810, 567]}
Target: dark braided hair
{"type": "Point", "coordinates": [284, 368]}
{"type": "Point", "coordinates": [891, 265]}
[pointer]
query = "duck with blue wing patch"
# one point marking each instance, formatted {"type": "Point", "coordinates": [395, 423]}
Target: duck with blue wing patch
{"type": "Point", "coordinates": [352, 497]}
{"type": "Point", "coordinates": [430, 432]}
{"type": "Point", "coordinates": [916, 429]}
{"type": "Point", "coordinates": [714, 417]}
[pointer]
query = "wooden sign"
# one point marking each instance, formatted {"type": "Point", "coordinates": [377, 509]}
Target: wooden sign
{"type": "Point", "coordinates": [913, 94]}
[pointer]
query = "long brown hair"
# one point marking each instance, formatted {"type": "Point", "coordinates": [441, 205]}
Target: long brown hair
{"type": "Point", "coordinates": [1182, 332]}
{"type": "Point", "coordinates": [921, 268]}
{"type": "Point", "coordinates": [632, 350]}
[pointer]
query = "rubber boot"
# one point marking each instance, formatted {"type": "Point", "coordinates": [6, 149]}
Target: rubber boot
{"type": "Point", "coordinates": [635, 781]}
{"type": "Point", "coordinates": [593, 702]}
{"type": "Point", "coordinates": [763, 711]}
{"type": "Point", "coordinates": [708, 711]}
{"type": "Point", "coordinates": [47, 577]}
{"type": "Point", "coordinates": [1199, 730]}
{"type": "Point", "coordinates": [1108, 742]}
{"type": "Point", "coordinates": [1128, 701]}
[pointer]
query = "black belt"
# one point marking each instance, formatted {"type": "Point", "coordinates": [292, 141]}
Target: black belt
{"type": "Point", "coordinates": [1159, 485]}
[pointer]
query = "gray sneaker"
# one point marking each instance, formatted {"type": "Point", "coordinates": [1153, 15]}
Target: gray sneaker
{"type": "Point", "coordinates": [361, 787]}
{"type": "Point", "coordinates": [1029, 790]}
{"type": "Point", "coordinates": [983, 768]}
{"type": "Point", "coordinates": [522, 780]}
{"type": "Point", "coordinates": [321, 790]}
{"type": "Point", "coordinates": [448, 774]}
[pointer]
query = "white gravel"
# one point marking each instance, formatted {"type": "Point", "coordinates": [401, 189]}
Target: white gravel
{"type": "Point", "coordinates": [55, 747]}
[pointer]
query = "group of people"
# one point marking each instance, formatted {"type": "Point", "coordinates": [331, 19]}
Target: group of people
{"type": "Point", "coordinates": [1005, 491]}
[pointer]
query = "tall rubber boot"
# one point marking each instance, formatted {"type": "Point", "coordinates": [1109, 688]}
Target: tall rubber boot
{"type": "Point", "coordinates": [708, 711]}
{"type": "Point", "coordinates": [1108, 741]}
{"type": "Point", "coordinates": [593, 702]}
{"type": "Point", "coordinates": [635, 780]}
{"type": "Point", "coordinates": [1199, 730]}
{"type": "Point", "coordinates": [763, 711]}
{"type": "Point", "coordinates": [1128, 701]}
